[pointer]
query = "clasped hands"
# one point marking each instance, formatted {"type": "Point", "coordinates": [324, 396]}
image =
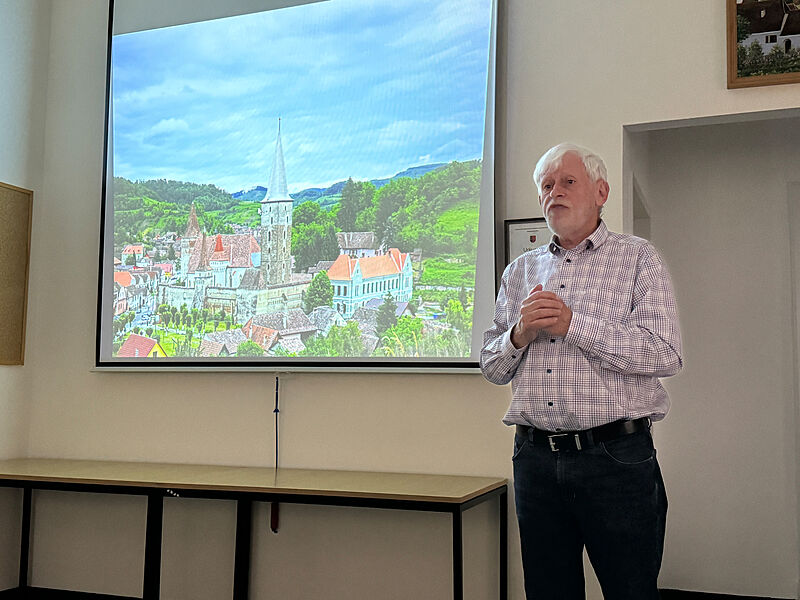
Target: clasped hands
{"type": "Point", "coordinates": [540, 311]}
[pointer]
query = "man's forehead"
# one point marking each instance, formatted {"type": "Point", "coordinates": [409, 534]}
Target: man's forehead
{"type": "Point", "coordinates": [569, 162]}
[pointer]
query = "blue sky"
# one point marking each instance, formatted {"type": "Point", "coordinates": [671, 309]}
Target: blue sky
{"type": "Point", "coordinates": [364, 89]}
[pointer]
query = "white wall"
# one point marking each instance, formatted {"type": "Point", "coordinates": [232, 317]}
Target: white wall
{"type": "Point", "coordinates": [719, 211]}
{"type": "Point", "coordinates": [573, 73]}
{"type": "Point", "coordinates": [24, 31]}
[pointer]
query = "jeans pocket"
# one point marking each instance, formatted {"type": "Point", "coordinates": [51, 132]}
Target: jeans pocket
{"type": "Point", "coordinates": [634, 449]}
{"type": "Point", "coordinates": [519, 445]}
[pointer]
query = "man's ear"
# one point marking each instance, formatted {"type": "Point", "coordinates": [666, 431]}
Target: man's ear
{"type": "Point", "coordinates": [602, 192]}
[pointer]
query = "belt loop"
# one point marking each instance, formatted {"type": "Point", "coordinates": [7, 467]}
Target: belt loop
{"type": "Point", "coordinates": [590, 437]}
{"type": "Point", "coordinates": [530, 434]}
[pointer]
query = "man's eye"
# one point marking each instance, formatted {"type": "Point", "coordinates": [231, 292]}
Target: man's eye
{"type": "Point", "coordinates": [547, 186]}
{"type": "Point", "coordinates": [570, 181]}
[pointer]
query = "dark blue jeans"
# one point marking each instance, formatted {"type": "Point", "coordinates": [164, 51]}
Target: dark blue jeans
{"type": "Point", "coordinates": [609, 498]}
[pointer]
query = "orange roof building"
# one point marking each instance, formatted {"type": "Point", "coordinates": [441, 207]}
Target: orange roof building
{"type": "Point", "coordinates": [356, 281]}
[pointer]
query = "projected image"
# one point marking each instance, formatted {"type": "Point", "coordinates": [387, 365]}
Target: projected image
{"type": "Point", "coordinates": [298, 183]}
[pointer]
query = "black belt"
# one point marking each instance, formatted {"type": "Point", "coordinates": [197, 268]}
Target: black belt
{"type": "Point", "coordinates": [578, 440]}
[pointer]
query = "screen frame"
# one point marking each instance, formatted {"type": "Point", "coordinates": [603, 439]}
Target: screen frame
{"type": "Point", "coordinates": [302, 364]}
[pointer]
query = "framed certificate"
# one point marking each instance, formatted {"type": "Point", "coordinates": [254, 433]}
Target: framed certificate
{"type": "Point", "coordinates": [523, 235]}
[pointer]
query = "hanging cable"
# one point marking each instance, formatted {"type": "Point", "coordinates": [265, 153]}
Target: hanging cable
{"type": "Point", "coordinates": [274, 506]}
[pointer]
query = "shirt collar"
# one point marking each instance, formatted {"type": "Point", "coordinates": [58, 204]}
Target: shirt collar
{"type": "Point", "coordinates": [598, 237]}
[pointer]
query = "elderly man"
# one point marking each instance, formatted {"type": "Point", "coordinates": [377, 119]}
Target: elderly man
{"type": "Point", "coordinates": [583, 329]}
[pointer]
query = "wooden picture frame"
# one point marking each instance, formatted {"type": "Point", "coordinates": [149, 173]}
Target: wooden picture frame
{"type": "Point", "coordinates": [773, 26]}
{"type": "Point", "coordinates": [523, 235]}
{"type": "Point", "coordinates": [15, 242]}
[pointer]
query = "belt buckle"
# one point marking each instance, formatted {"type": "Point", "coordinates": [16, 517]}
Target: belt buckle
{"type": "Point", "coordinates": [551, 440]}
{"type": "Point", "coordinates": [555, 448]}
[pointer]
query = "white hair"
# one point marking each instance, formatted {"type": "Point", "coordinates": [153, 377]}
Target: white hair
{"type": "Point", "coordinates": [594, 165]}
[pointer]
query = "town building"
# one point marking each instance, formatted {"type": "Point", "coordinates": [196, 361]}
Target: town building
{"type": "Point", "coordinates": [356, 281]}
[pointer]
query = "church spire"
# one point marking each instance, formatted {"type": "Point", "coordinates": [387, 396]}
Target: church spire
{"type": "Point", "coordinates": [277, 189]}
{"type": "Point", "coordinates": [192, 227]}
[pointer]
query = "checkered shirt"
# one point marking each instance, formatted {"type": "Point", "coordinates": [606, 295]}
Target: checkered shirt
{"type": "Point", "coordinates": [623, 336]}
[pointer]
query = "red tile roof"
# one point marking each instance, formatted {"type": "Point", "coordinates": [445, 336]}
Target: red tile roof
{"type": "Point", "coordinates": [123, 278]}
{"type": "Point", "coordinates": [136, 346]}
{"type": "Point", "coordinates": [263, 336]}
{"type": "Point", "coordinates": [236, 248]}
{"type": "Point", "coordinates": [371, 266]}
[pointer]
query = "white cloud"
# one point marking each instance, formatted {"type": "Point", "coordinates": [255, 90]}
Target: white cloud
{"type": "Point", "coordinates": [169, 126]}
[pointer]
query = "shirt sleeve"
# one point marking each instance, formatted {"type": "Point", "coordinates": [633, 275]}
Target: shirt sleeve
{"type": "Point", "coordinates": [648, 340]}
{"type": "Point", "coordinates": [499, 358]}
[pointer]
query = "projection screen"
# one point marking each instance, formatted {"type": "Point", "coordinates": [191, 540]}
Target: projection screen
{"type": "Point", "coordinates": [298, 185]}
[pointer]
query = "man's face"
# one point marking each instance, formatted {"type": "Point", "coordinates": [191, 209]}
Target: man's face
{"type": "Point", "coordinates": [571, 201]}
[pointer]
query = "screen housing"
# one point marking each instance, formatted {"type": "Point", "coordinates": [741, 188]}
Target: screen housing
{"type": "Point", "coordinates": [135, 15]}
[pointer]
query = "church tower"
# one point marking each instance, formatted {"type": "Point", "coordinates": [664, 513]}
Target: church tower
{"type": "Point", "coordinates": [276, 223]}
{"type": "Point", "coordinates": [188, 240]}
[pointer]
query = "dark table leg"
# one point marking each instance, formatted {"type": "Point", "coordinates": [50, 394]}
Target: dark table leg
{"type": "Point", "coordinates": [25, 538]}
{"type": "Point", "coordinates": [458, 554]}
{"type": "Point", "coordinates": [503, 499]}
{"type": "Point", "coordinates": [241, 565]}
{"type": "Point", "coordinates": [152, 546]}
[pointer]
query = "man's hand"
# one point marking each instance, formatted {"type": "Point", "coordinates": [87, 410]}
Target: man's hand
{"type": "Point", "coordinates": [540, 310]}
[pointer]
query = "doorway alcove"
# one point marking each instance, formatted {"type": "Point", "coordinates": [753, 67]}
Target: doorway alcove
{"type": "Point", "coordinates": [720, 197]}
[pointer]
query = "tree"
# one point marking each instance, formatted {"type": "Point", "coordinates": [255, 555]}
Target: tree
{"type": "Point", "coordinates": [131, 260]}
{"type": "Point", "coordinates": [249, 348]}
{"type": "Point", "coordinates": [742, 29]}
{"type": "Point", "coordinates": [462, 297]}
{"type": "Point", "coordinates": [312, 243]}
{"type": "Point", "coordinates": [387, 316]}
{"type": "Point", "coordinates": [391, 202]}
{"type": "Point", "coordinates": [149, 332]}
{"type": "Point", "coordinates": [171, 253]}
{"type": "Point", "coordinates": [356, 199]}
{"type": "Point", "coordinates": [319, 293]}
{"type": "Point", "coordinates": [306, 213]}
{"type": "Point", "coordinates": [457, 316]}
{"type": "Point", "coordinates": [340, 341]}
{"type": "Point", "coordinates": [404, 338]}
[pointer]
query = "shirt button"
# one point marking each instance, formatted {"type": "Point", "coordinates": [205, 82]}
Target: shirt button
{"type": "Point", "coordinates": [549, 404]}
{"type": "Point", "coordinates": [549, 370]}
{"type": "Point", "coordinates": [568, 260]}
{"type": "Point", "coordinates": [552, 341]}
{"type": "Point", "coordinates": [562, 286]}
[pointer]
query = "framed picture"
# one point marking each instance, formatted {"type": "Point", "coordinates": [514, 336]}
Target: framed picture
{"type": "Point", "coordinates": [523, 235]}
{"type": "Point", "coordinates": [763, 42]}
{"type": "Point", "coordinates": [15, 233]}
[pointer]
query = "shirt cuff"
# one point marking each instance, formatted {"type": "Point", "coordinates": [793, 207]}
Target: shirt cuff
{"type": "Point", "coordinates": [511, 356]}
{"type": "Point", "coordinates": [584, 331]}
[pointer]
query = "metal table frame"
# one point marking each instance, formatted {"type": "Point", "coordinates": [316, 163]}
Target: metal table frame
{"type": "Point", "coordinates": [244, 506]}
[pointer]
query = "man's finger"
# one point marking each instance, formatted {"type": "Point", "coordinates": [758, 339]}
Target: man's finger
{"type": "Point", "coordinates": [545, 295]}
{"type": "Point", "coordinates": [541, 314]}
{"type": "Point", "coordinates": [544, 323]}
{"type": "Point", "coordinates": [531, 304]}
